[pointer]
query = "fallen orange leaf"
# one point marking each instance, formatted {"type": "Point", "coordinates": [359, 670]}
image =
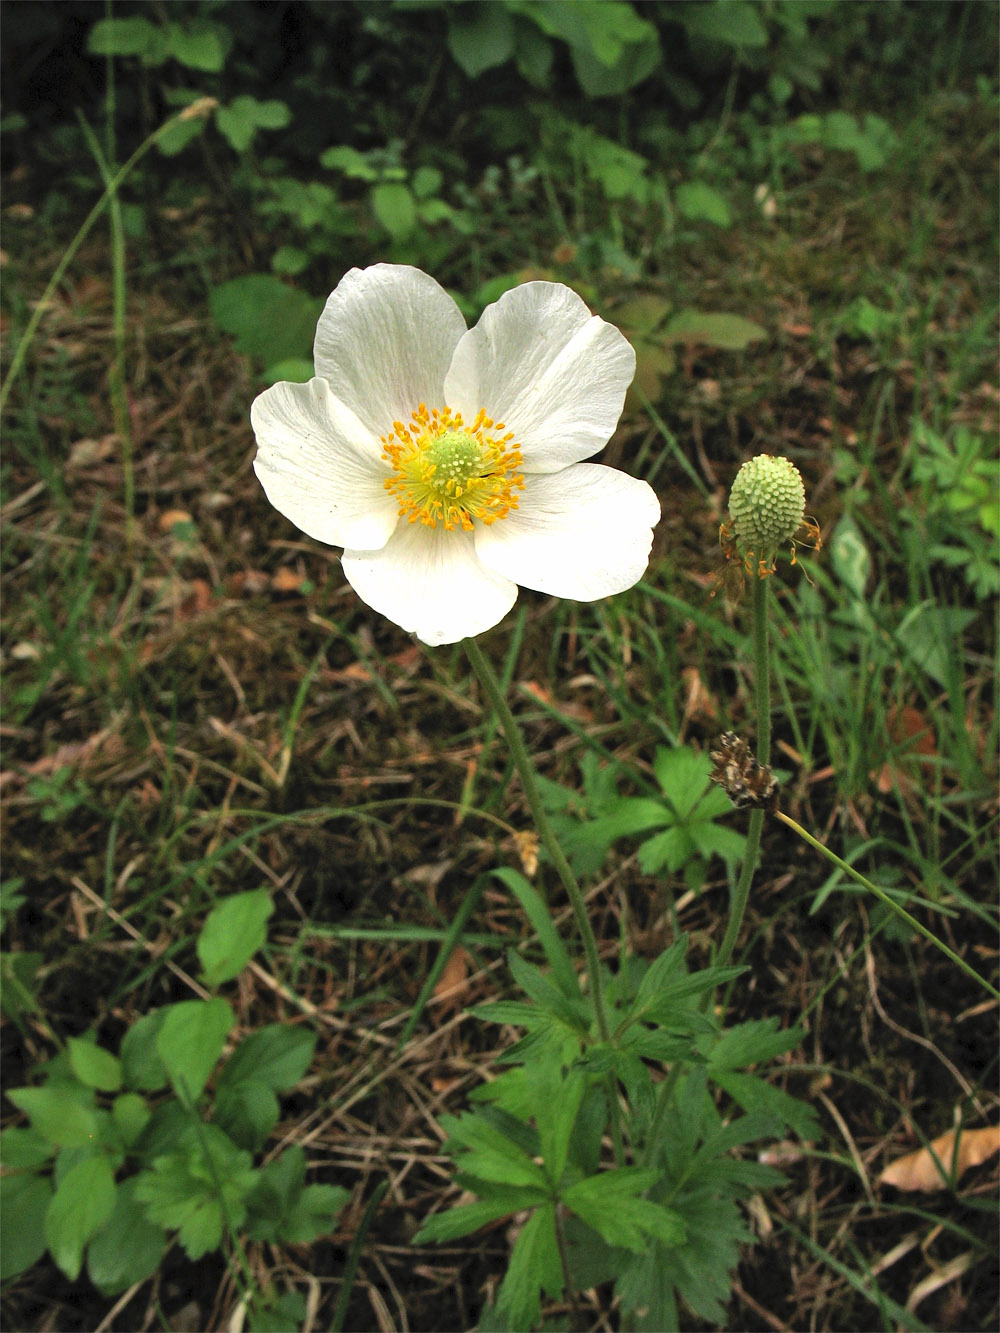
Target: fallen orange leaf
{"type": "Point", "coordinates": [450, 989]}
{"type": "Point", "coordinates": [918, 1170]}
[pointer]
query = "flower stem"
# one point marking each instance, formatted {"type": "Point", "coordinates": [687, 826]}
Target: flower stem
{"type": "Point", "coordinates": [883, 897]}
{"type": "Point", "coordinates": [762, 690]}
{"type": "Point", "coordinates": [526, 771]}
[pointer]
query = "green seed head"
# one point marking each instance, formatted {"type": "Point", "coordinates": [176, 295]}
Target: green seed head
{"type": "Point", "coordinates": [766, 504]}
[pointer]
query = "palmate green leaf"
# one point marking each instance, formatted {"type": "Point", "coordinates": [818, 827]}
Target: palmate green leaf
{"type": "Point", "coordinates": [191, 1041]}
{"type": "Point", "coordinates": [199, 44]}
{"type": "Point", "coordinates": [93, 1066]}
{"type": "Point", "coordinates": [715, 840]}
{"type": "Point", "coordinates": [534, 1267]}
{"type": "Point", "coordinates": [556, 1099]}
{"type": "Point", "coordinates": [244, 116]}
{"type": "Point", "coordinates": [751, 1043]}
{"type": "Point", "coordinates": [754, 1094]}
{"type": "Point", "coordinates": [128, 1247]}
{"type": "Point", "coordinates": [57, 1113]}
{"type": "Point", "coordinates": [24, 1202]}
{"type": "Point", "coordinates": [501, 1201]}
{"type": "Point", "coordinates": [611, 1204]}
{"type": "Point", "coordinates": [667, 850]}
{"type": "Point", "coordinates": [545, 994]}
{"type": "Point", "coordinates": [83, 1201]}
{"type": "Point", "coordinates": [233, 932]}
{"type": "Point", "coordinates": [199, 1190]}
{"type": "Point", "coordinates": [314, 1215]}
{"type": "Point", "coordinates": [277, 1055]}
{"type": "Point", "coordinates": [683, 776]}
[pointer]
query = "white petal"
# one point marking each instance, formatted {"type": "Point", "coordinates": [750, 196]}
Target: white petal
{"type": "Point", "coordinates": [320, 467]}
{"type": "Point", "coordinates": [430, 583]}
{"type": "Point", "coordinates": [582, 533]}
{"type": "Point", "coordinates": [553, 373]}
{"type": "Point", "coordinates": [385, 340]}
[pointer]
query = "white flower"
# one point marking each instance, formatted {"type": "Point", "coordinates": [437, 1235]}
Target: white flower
{"type": "Point", "coordinates": [448, 461]}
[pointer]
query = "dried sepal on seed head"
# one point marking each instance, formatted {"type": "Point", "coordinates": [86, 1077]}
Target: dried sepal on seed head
{"type": "Point", "coordinates": [743, 778]}
{"type": "Point", "coordinates": [766, 509]}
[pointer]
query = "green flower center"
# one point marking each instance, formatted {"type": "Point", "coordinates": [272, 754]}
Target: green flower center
{"type": "Point", "coordinates": [446, 472]}
{"type": "Point", "coordinates": [767, 504]}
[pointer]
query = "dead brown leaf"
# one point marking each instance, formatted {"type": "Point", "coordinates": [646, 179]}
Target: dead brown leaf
{"type": "Point", "coordinates": [918, 1170]}
{"type": "Point", "coordinates": [451, 989]}
{"type": "Point", "coordinates": [287, 580]}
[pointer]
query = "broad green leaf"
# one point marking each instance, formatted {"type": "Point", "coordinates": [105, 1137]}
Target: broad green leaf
{"type": "Point", "coordinates": [57, 1114]}
{"type": "Point", "coordinates": [24, 1148]}
{"type": "Point", "coordinates": [714, 840]}
{"type": "Point", "coordinates": [699, 202]}
{"type": "Point", "coordinates": [730, 332]}
{"type": "Point", "coordinates": [142, 1068]}
{"type": "Point", "coordinates": [240, 120]}
{"type": "Point", "coordinates": [128, 1247]}
{"type": "Point", "coordinates": [348, 160]}
{"type": "Point", "coordinates": [394, 206]}
{"type": "Point", "coordinates": [731, 21]}
{"type": "Point", "coordinates": [233, 932]}
{"type": "Point", "coordinates": [247, 1112]}
{"type": "Point", "coordinates": [175, 138]}
{"type": "Point", "coordinates": [94, 1066]}
{"type": "Point", "coordinates": [480, 37]}
{"type": "Point", "coordinates": [669, 849]}
{"type": "Point", "coordinates": [134, 36]}
{"type": "Point", "coordinates": [191, 1041]}
{"type": "Point", "coordinates": [296, 370]}
{"type": "Point", "coordinates": [268, 319]}
{"type": "Point", "coordinates": [277, 1056]}
{"type": "Point", "coordinates": [82, 1203]}
{"type": "Point", "coordinates": [131, 1115]}
{"type": "Point", "coordinates": [200, 45]}
{"type": "Point", "coordinates": [24, 1201]}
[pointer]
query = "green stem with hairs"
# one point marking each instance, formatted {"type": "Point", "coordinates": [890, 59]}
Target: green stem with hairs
{"type": "Point", "coordinates": [883, 897]}
{"type": "Point", "coordinates": [522, 762]}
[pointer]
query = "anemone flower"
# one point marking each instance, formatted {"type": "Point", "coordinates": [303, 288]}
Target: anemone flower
{"type": "Point", "coordinates": [447, 461]}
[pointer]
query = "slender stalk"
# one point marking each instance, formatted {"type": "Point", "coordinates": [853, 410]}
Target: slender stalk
{"type": "Point", "coordinates": [762, 690]}
{"type": "Point", "coordinates": [883, 897]}
{"type": "Point", "coordinates": [198, 108]}
{"type": "Point", "coordinates": [116, 371]}
{"type": "Point", "coordinates": [526, 771]}
{"type": "Point", "coordinates": [741, 893]}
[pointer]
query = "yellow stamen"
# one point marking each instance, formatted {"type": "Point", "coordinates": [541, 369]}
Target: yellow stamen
{"type": "Point", "coordinates": [449, 473]}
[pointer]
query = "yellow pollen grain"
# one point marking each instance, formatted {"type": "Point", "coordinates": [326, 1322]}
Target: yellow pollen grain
{"type": "Point", "coordinates": [446, 472]}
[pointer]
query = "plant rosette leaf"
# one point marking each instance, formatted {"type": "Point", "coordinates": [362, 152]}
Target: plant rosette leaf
{"type": "Point", "coordinates": [83, 1201]}
{"type": "Point", "coordinates": [233, 932]}
{"type": "Point", "coordinates": [128, 1248]}
{"type": "Point", "coordinates": [57, 1113]}
{"type": "Point", "coordinates": [142, 1068]}
{"type": "Point", "coordinates": [24, 1203]}
{"type": "Point", "coordinates": [200, 1190]}
{"type": "Point", "coordinates": [93, 1066]}
{"type": "Point", "coordinates": [277, 1056]}
{"type": "Point", "coordinates": [190, 1043]}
